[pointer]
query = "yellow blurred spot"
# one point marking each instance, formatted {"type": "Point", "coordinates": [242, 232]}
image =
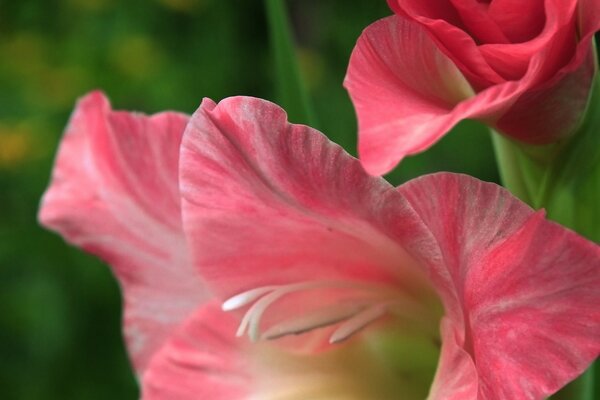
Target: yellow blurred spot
{"type": "Point", "coordinates": [311, 67]}
{"type": "Point", "coordinates": [183, 5]}
{"type": "Point", "coordinates": [16, 146]}
{"type": "Point", "coordinates": [24, 54]}
{"type": "Point", "coordinates": [136, 57]}
{"type": "Point", "coordinates": [58, 86]}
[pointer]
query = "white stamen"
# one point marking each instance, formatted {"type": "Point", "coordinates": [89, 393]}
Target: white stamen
{"type": "Point", "coordinates": [357, 322]}
{"type": "Point", "coordinates": [319, 319]}
{"type": "Point", "coordinates": [259, 309]}
{"type": "Point", "coordinates": [245, 298]}
{"type": "Point", "coordinates": [355, 313]}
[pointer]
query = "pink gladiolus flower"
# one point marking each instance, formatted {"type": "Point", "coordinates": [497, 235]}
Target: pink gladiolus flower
{"type": "Point", "coordinates": [336, 284]}
{"type": "Point", "coordinates": [523, 67]}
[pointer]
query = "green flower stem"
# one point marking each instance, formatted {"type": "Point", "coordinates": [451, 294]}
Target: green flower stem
{"type": "Point", "coordinates": [509, 167]}
{"type": "Point", "coordinates": [291, 90]}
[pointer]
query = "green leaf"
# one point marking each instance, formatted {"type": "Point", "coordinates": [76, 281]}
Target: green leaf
{"type": "Point", "coordinates": [291, 90]}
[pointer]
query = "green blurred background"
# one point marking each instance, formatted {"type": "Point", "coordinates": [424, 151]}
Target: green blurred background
{"type": "Point", "coordinates": [59, 308]}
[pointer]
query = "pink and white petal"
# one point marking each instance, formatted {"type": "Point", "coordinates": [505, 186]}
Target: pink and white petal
{"type": "Point", "coordinates": [269, 203]}
{"type": "Point", "coordinates": [202, 359]}
{"type": "Point", "coordinates": [526, 287]}
{"type": "Point", "coordinates": [468, 218]}
{"type": "Point", "coordinates": [114, 192]}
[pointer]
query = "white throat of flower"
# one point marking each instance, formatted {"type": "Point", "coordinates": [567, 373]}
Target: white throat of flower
{"type": "Point", "coordinates": [373, 302]}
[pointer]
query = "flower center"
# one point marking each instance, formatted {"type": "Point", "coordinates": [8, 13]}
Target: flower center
{"type": "Point", "coordinates": [349, 306]}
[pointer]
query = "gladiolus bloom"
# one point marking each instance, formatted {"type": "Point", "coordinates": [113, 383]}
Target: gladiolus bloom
{"type": "Point", "coordinates": [523, 67]}
{"type": "Point", "coordinates": [325, 283]}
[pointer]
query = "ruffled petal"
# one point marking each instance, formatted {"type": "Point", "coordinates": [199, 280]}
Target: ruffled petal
{"type": "Point", "coordinates": [114, 192]}
{"type": "Point", "coordinates": [271, 207]}
{"type": "Point", "coordinates": [523, 291]}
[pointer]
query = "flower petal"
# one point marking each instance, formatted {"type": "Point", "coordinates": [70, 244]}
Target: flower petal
{"type": "Point", "coordinates": [201, 360]}
{"type": "Point", "coordinates": [407, 94]}
{"type": "Point", "coordinates": [269, 203]}
{"type": "Point", "coordinates": [400, 84]}
{"type": "Point", "coordinates": [520, 20]}
{"type": "Point", "coordinates": [114, 192]}
{"type": "Point", "coordinates": [449, 33]}
{"type": "Point", "coordinates": [523, 291]}
{"type": "Point", "coordinates": [558, 35]}
{"type": "Point", "coordinates": [456, 376]}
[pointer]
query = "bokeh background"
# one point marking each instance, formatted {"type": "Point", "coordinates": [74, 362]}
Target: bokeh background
{"type": "Point", "coordinates": [60, 309]}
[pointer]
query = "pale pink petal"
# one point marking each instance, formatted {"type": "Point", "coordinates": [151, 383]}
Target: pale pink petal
{"type": "Point", "coordinates": [202, 359]}
{"type": "Point", "coordinates": [523, 291]}
{"type": "Point", "coordinates": [114, 192]}
{"type": "Point", "coordinates": [271, 204]}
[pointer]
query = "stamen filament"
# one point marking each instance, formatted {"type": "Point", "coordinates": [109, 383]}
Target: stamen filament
{"type": "Point", "coordinates": [355, 315]}
{"type": "Point", "coordinates": [319, 319]}
{"type": "Point", "coordinates": [245, 298]}
{"type": "Point", "coordinates": [357, 322]}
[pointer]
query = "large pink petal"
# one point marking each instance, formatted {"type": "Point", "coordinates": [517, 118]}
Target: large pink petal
{"type": "Point", "coordinates": [114, 192]}
{"type": "Point", "coordinates": [407, 94]}
{"type": "Point", "coordinates": [202, 359]}
{"type": "Point", "coordinates": [267, 203]}
{"type": "Point", "coordinates": [525, 290]}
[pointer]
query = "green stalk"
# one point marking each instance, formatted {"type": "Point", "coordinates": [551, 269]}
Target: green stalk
{"type": "Point", "coordinates": [291, 91]}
